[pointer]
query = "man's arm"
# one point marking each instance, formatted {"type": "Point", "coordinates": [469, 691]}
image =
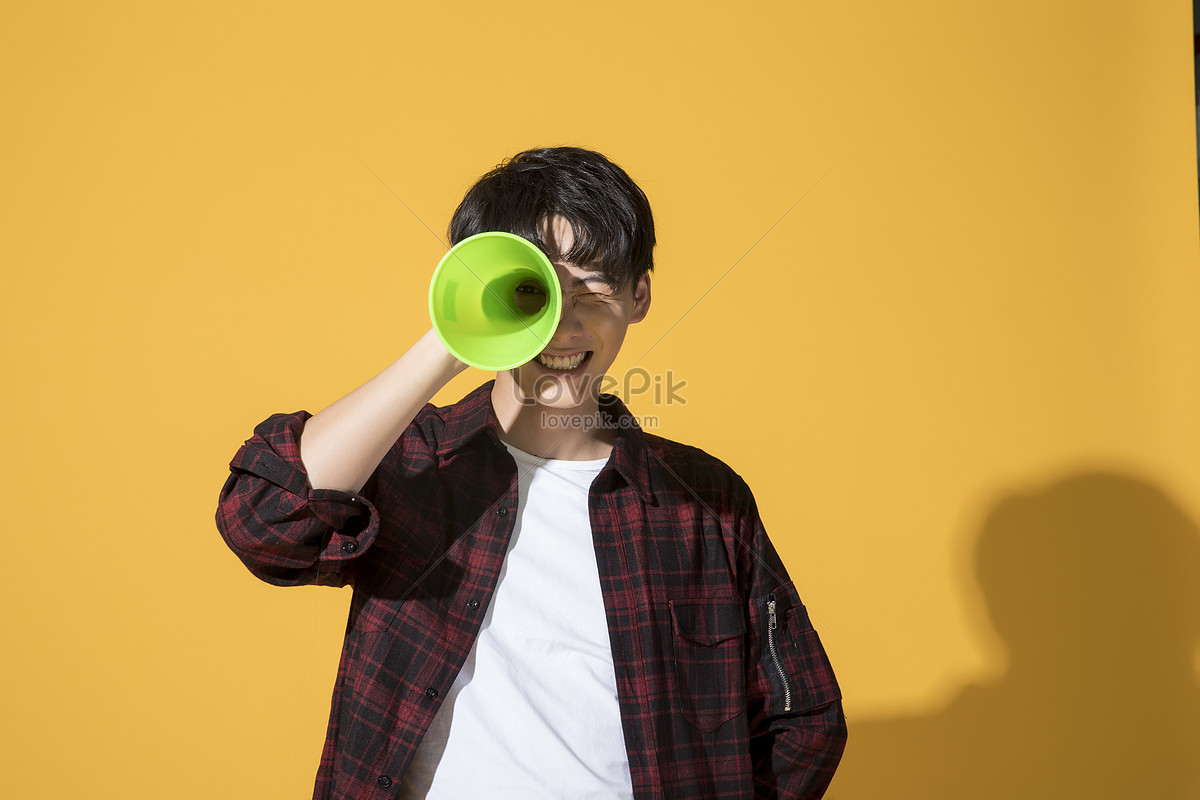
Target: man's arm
{"type": "Point", "coordinates": [293, 508]}
{"type": "Point", "coordinates": [342, 445]}
{"type": "Point", "coordinates": [797, 728]}
{"type": "Point", "coordinates": [799, 738]}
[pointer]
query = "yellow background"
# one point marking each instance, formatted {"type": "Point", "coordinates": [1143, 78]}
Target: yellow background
{"type": "Point", "coordinates": [920, 263]}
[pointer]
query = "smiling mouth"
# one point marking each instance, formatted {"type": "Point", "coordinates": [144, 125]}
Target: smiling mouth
{"type": "Point", "coordinates": [563, 363]}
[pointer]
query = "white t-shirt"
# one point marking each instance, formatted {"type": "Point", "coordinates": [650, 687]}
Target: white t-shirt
{"type": "Point", "coordinates": [534, 712]}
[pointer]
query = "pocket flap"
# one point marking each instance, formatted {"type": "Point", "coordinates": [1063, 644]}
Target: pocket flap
{"type": "Point", "coordinates": [709, 621]}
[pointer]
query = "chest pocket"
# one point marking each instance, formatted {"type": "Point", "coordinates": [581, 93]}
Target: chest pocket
{"type": "Point", "coordinates": [709, 652]}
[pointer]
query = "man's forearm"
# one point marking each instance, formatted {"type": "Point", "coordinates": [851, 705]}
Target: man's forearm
{"type": "Point", "coordinates": [342, 445]}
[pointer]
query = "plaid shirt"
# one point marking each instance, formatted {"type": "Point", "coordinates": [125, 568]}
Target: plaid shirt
{"type": "Point", "coordinates": [724, 688]}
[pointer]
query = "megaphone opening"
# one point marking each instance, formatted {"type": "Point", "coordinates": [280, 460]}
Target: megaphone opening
{"type": "Point", "coordinates": [495, 300]}
{"type": "Point", "coordinates": [530, 297]}
{"type": "Point", "coordinates": [511, 301]}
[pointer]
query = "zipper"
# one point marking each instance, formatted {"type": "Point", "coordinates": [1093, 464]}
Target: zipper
{"type": "Point", "coordinates": [772, 624]}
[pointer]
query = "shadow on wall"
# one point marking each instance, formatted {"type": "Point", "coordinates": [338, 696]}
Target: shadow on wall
{"type": "Point", "coordinates": [1094, 585]}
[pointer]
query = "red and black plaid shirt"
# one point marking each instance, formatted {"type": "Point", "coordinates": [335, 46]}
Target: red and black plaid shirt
{"type": "Point", "coordinates": [724, 688]}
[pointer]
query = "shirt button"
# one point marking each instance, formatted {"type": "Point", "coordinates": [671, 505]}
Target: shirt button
{"type": "Point", "coordinates": [431, 693]}
{"type": "Point", "coordinates": [385, 781]}
{"type": "Point", "coordinates": [472, 604]}
{"type": "Point", "coordinates": [349, 547]}
{"type": "Point", "coordinates": [502, 511]}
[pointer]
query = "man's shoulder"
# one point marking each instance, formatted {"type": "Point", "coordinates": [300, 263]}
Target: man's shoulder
{"type": "Point", "coordinates": [453, 424]}
{"type": "Point", "coordinates": [692, 469]}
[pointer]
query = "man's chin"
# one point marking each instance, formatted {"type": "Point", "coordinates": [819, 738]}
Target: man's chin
{"type": "Point", "coordinates": [569, 399]}
{"type": "Point", "coordinates": [562, 391]}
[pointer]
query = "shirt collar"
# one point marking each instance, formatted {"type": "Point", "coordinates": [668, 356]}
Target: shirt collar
{"type": "Point", "coordinates": [474, 415]}
{"type": "Point", "coordinates": [630, 452]}
{"type": "Point", "coordinates": [468, 418]}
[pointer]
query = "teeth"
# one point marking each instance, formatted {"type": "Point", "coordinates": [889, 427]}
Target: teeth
{"type": "Point", "coordinates": [561, 362]}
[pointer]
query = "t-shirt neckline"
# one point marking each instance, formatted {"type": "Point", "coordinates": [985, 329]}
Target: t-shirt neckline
{"type": "Point", "coordinates": [559, 463]}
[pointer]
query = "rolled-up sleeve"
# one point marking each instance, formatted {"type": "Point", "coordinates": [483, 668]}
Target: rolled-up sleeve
{"type": "Point", "coordinates": [284, 531]}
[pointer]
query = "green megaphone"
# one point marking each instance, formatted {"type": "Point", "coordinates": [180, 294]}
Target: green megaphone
{"type": "Point", "coordinates": [495, 301]}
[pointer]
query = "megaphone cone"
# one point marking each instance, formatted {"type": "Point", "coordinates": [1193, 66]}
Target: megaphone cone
{"type": "Point", "coordinates": [495, 301]}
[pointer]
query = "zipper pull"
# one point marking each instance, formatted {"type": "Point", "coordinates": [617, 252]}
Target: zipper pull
{"type": "Point", "coordinates": [774, 622]}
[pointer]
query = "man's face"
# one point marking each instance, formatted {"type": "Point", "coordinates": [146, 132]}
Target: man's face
{"type": "Point", "coordinates": [568, 373]}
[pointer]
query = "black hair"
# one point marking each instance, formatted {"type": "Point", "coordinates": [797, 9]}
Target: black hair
{"type": "Point", "coordinates": [609, 214]}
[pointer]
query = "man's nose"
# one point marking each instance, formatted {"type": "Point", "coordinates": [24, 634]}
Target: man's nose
{"type": "Point", "coordinates": [568, 324]}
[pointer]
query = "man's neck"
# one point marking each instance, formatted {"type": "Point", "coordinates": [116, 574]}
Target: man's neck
{"type": "Point", "coordinates": [570, 434]}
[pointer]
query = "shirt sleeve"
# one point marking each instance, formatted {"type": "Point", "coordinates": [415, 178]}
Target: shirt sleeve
{"type": "Point", "coordinates": [797, 726]}
{"type": "Point", "coordinates": [284, 531]}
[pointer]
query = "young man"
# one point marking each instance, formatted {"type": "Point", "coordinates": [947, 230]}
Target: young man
{"type": "Point", "coordinates": [548, 601]}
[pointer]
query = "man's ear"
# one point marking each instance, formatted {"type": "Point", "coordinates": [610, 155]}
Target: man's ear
{"type": "Point", "coordinates": [641, 299]}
